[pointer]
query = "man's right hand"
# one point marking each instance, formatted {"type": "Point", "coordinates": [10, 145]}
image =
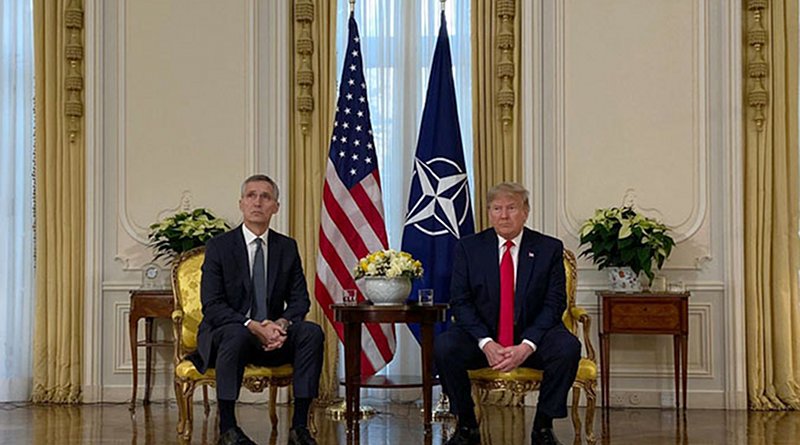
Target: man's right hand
{"type": "Point", "coordinates": [260, 331]}
{"type": "Point", "coordinates": [270, 334]}
{"type": "Point", "coordinates": [493, 351]}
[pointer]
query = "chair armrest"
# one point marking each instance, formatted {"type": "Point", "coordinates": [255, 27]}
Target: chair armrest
{"type": "Point", "coordinates": [177, 335]}
{"type": "Point", "coordinates": [580, 314]}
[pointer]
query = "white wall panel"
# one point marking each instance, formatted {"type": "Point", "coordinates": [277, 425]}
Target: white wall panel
{"type": "Point", "coordinates": [191, 98]}
{"type": "Point", "coordinates": [632, 102]}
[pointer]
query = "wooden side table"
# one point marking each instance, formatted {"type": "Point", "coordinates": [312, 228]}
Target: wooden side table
{"type": "Point", "coordinates": [147, 304]}
{"type": "Point", "coordinates": [353, 316]}
{"type": "Point", "coordinates": [645, 313]}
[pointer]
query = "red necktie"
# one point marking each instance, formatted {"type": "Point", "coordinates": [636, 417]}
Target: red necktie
{"type": "Point", "coordinates": [505, 326]}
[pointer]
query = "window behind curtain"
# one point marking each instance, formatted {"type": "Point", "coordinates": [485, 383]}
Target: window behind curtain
{"type": "Point", "coordinates": [16, 199]}
{"type": "Point", "coordinates": [397, 44]}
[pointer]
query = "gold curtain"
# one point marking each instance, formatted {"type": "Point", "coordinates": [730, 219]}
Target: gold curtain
{"type": "Point", "coordinates": [771, 249]}
{"type": "Point", "coordinates": [495, 96]}
{"type": "Point", "coordinates": [60, 191]}
{"type": "Point", "coordinates": [313, 91]}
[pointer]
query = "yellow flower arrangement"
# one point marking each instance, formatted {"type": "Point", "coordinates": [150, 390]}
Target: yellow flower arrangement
{"type": "Point", "coordinates": [388, 263]}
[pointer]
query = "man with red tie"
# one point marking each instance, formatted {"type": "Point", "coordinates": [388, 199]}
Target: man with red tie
{"type": "Point", "coordinates": [507, 296]}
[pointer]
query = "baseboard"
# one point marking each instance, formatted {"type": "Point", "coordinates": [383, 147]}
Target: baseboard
{"type": "Point", "coordinates": [164, 393]}
{"type": "Point", "coordinates": [651, 398]}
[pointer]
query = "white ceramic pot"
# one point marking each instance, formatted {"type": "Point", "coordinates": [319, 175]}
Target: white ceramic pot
{"type": "Point", "coordinates": [623, 279]}
{"type": "Point", "coordinates": [382, 290]}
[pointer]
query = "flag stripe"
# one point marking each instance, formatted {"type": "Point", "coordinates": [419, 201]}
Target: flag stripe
{"type": "Point", "coordinates": [367, 206]}
{"type": "Point", "coordinates": [375, 338]}
{"type": "Point", "coordinates": [340, 274]}
{"type": "Point", "coordinates": [345, 199]}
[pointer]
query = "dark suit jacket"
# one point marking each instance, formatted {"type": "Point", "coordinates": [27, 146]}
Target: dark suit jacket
{"type": "Point", "coordinates": [226, 288]}
{"type": "Point", "coordinates": [539, 297]}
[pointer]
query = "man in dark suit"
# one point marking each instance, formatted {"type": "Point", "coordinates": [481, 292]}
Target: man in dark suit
{"type": "Point", "coordinates": [507, 296]}
{"type": "Point", "coordinates": [254, 300]}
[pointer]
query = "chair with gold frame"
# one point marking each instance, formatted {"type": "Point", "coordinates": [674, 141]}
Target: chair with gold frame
{"type": "Point", "coordinates": [520, 381]}
{"type": "Point", "coordinates": [186, 317]}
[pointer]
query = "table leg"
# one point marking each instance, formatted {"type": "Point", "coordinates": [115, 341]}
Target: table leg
{"type": "Point", "coordinates": [685, 366]}
{"type": "Point", "coordinates": [604, 370]}
{"type": "Point", "coordinates": [148, 361]}
{"type": "Point", "coordinates": [676, 350]}
{"type": "Point", "coordinates": [427, 372]}
{"type": "Point", "coordinates": [133, 332]}
{"type": "Point", "coordinates": [352, 365]}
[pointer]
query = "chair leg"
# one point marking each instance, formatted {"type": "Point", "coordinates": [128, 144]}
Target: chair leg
{"type": "Point", "coordinates": [576, 418]}
{"type": "Point", "coordinates": [273, 414]}
{"type": "Point", "coordinates": [184, 392]}
{"type": "Point", "coordinates": [478, 397]}
{"type": "Point", "coordinates": [591, 403]}
{"type": "Point", "coordinates": [181, 407]}
{"type": "Point", "coordinates": [206, 407]}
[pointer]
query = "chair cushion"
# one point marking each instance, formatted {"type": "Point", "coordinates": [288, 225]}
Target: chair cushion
{"type": "Point", "coordinates": [186, 370]}
{"type": "Point", "coordinates": [587, 370]}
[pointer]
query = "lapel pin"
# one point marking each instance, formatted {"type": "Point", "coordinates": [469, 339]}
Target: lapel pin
{"type": "Point", "coordinates": [530, 254]}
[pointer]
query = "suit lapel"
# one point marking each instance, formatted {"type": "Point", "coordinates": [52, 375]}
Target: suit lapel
{"type": "Point", "coordinates": [273, 254]}
{"type": "Point", "coordinates": [526, 258]}
{"type": "Point", "coordinates": [244, 262]}
{"type": "Point", "coordinates": [493, 272]}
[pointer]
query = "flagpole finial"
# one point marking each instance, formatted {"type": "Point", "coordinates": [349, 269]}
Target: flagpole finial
{"type": "Point", "coordinates": [352, 5]}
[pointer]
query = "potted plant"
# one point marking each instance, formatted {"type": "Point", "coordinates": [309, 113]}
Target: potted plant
{"type": "Point", "coordinates": [620, 238]}
{"type": "Point", "coordinates": [388, 274]}
{"type": "Point", "coordinates": [184, 231]}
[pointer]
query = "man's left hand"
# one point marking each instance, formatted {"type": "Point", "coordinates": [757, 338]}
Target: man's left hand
{"type": "Point", "coordinates": [513, 356]}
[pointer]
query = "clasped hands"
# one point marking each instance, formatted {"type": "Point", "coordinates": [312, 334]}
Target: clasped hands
{"type": "Point", "coordinates": [506, 358]}
{"type": "Point", "coordinates": [272, 335]}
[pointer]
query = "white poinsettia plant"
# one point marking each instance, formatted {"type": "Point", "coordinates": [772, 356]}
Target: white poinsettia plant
{"type": "Point", "coordinates": [388, 263]}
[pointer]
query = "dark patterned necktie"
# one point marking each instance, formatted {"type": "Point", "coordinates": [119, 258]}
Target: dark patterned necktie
{"type": "Point", "coordinates": [258, 310]}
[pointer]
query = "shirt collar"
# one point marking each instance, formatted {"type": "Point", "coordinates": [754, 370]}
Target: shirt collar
{"type": "Point", "coordinates": [249, 236]}
{"type": "Point", "coordinates": [517, 240]}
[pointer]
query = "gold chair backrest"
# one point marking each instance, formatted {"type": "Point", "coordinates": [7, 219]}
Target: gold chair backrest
{"type": "Point", "coordinates": [186, 274]}
{"type": "Point", "coordinates": [571, 271]}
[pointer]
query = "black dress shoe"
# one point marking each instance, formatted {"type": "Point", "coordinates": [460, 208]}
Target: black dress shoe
{"type": "Point", "coordinates": [544, 436]}
{"type": "Point", "coordinates": [301, 436]}
{"type": "Point", "coordinates": [465, 436]}
{"type": "Point", "coordinates": [234, 436]}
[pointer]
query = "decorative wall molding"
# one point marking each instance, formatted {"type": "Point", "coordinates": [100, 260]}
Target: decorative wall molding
{"type": "Point", "coordinates": [699, 213]}
{"type": "Point", "coordinates": [733, 205]}
{"type": "Point", "coordinates": [122, 361]}
{"type": "Point", "coordinates": [93, 304]}
{"type": "Point", "coordinates": [531, 103]}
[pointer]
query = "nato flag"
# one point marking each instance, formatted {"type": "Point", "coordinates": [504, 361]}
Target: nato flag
{"type": "Point", "coordinates": [439, 210]}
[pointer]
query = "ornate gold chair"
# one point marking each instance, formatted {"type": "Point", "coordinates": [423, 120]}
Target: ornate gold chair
{"type": "Point", "coordinates": [515, 384]}
{"type": "Point", "coordinates": [186, 319]}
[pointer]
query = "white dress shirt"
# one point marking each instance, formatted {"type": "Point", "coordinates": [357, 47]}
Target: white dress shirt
{"type": "Point", "coordinates": [501, 248]}
{"type": "Point", "coordinates": [250, 242]}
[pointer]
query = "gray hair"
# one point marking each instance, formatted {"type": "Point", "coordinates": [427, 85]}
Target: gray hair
{"type": "Point", "coordinates": [508, 188]}
{"type": "Point", "coordinates": [262, 178]}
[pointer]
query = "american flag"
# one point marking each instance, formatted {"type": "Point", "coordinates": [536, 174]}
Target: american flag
{"type": "Point", "coordinates": [352, 223]}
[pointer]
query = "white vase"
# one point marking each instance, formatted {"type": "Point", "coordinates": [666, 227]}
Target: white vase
{"type": "Point", "coordinates": [383, 290]}
{"type": "Point", "coordinates": [623, 279]}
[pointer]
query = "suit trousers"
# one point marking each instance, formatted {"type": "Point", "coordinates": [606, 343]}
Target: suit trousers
{"type": "Point", "coordinates": [557, 355]}
{"type": "Point", "coordinates": [236, 347]}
